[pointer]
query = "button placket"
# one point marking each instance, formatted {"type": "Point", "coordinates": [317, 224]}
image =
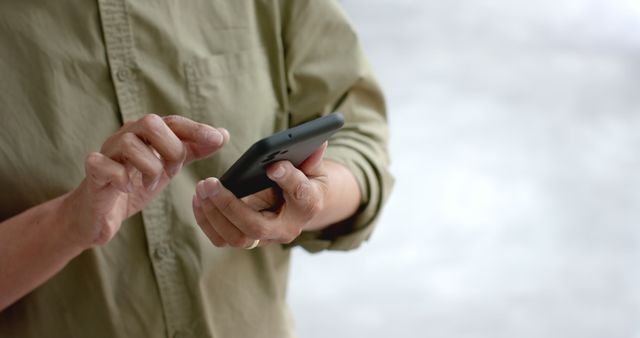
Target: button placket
{"type": "Point", "coordinates": [157, 214]}
{"type": "Point", "coordinates": [161, 252]}
{"type": "Point", "coordinates": [119, 45]}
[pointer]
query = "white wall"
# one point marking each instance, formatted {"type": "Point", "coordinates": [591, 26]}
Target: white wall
{"type": "Point", "coordinates": [516, 147]}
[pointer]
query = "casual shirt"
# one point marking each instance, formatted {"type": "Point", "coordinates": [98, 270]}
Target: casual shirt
{"type": "Point", "coordinates": [73, 71]}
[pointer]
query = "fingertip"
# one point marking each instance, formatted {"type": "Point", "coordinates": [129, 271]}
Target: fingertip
{"type": "Point", "coordinates": [225, 135]}
{"type": "Point", "coordinates": [277, 171]}
{"type": "Point", "coordinates": [174, 169]}
{"type": "Point", "coordinates": [212, 186]}
{"type": "Point", "coordinates": [208, 188]}
{"type": "Point", "coordinates": [214, 137]}
{"type": "Point", "coordinates": [200, 192]}
{"type": "Point", "coordinates": [195, 202]}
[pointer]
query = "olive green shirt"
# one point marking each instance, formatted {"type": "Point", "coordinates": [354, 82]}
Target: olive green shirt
{"type": "Point", "coordinates": [73, 71]}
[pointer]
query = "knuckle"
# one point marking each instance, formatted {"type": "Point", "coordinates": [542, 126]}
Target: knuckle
{"type": "Point", "coordinates": [201, 131]}
{"type": "Point", "coordinates": [311, 210]}
{"type": "Point", "coordinates": [238, 241]}
{"type": "Point", "coordinates": [181, 152]}
{"type": "Point", "coordinates": [150, 121]}
{"type": "Point", "coordinates": [171, 120]}
{"type": "Point", "coordinates": [92, 159]}
{"type": "Point", "coordinates": [127, 124]}
{"type": "Point", "coordinates": [157, 168]}
{"type": "Point", "coordinates": [128, 141]}
{"type": "Point", "coordinates": [315, 207]}
{"type": "Point", "coordinates": [110, 142]}
{"type": "Point", "coordinates": [177, 152]}
{"type": "Point", "coordinates": [291, 234]}
{"type": "Point", "coordinates": [312, 205]}
{"type": "Point", "coordinates": [226, 205]}
{"type": "Point", "coordinates": [302, 191]}
{"type": "Point", "coordinates": [258, 231]}
{"type": "Point", "coordinates": [217, 242]}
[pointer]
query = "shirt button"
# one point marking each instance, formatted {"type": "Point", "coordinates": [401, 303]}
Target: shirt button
{"type": "Point", "coordinates": [161, 252]}
{"type": "Point", "coordinates": [123, 74]}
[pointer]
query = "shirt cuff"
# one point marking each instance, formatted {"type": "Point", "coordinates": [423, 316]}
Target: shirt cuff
{"type": "Point", "coordinates": [374, 183]}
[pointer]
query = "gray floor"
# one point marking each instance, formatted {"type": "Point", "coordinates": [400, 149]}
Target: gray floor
{"type": "Point", "coordinates": [516, 147]}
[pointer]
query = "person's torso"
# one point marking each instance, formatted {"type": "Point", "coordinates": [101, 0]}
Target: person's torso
{"type": "Point", "coordinates": [72, 72]}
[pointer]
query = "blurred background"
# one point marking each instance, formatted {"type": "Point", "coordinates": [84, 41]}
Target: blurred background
{"type": "Point", "coordinates": [516, 147]}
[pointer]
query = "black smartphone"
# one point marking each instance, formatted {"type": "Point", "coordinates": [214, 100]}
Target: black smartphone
{"type": "Point", "coordinates": [248, 174]}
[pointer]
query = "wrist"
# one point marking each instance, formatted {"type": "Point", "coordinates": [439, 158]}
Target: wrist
{"type": "Point", "coordinates": [69, 219]}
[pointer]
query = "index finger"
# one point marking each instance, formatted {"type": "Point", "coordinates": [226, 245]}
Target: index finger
{"type": "Point", "coordinates": [253, 223]}
{"type": "Point", "coordinates": [154, 131]}
{"type": "Point", "coordinates": [203, 139]}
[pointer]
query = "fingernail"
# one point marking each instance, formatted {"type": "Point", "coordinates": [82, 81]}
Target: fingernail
{"type": "Point", "coordinates": [278, 173]}
{"type": "Point", "coordinates": [224, 133]}
{"type": "Point", "coordinates": [153, 185]}
{"type": "Point", "coordinates": [173, 171]}
{"type": "Point", "coordinates": [200, 190]}
{"type": "Point", "coordinates": [212, 186]}
{"type": "Point", "coordinates": [208, 188]}
{"type": "Point", "coordinates": [214, 137]}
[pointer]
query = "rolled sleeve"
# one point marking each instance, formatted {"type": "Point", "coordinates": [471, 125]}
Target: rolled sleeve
{"type": "Point", "coordinates": [327, 71]}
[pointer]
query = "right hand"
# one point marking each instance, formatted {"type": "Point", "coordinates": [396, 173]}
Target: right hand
{"type": "Point", "coordinates": [134, 165]}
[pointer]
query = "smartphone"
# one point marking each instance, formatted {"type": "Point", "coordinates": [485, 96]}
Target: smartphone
{"type": "Point", "coordinates": [248, 174]}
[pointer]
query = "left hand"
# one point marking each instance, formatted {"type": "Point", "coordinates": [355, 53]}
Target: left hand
{"type": "Point", "coordinates": [276, 215]}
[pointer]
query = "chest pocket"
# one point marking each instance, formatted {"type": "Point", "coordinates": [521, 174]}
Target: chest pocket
{"type": "Point", "coordinates": [234, 91]}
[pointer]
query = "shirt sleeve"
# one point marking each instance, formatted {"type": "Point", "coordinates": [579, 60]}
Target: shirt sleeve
{"type": "Point", "coordinates": [326, 71]}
